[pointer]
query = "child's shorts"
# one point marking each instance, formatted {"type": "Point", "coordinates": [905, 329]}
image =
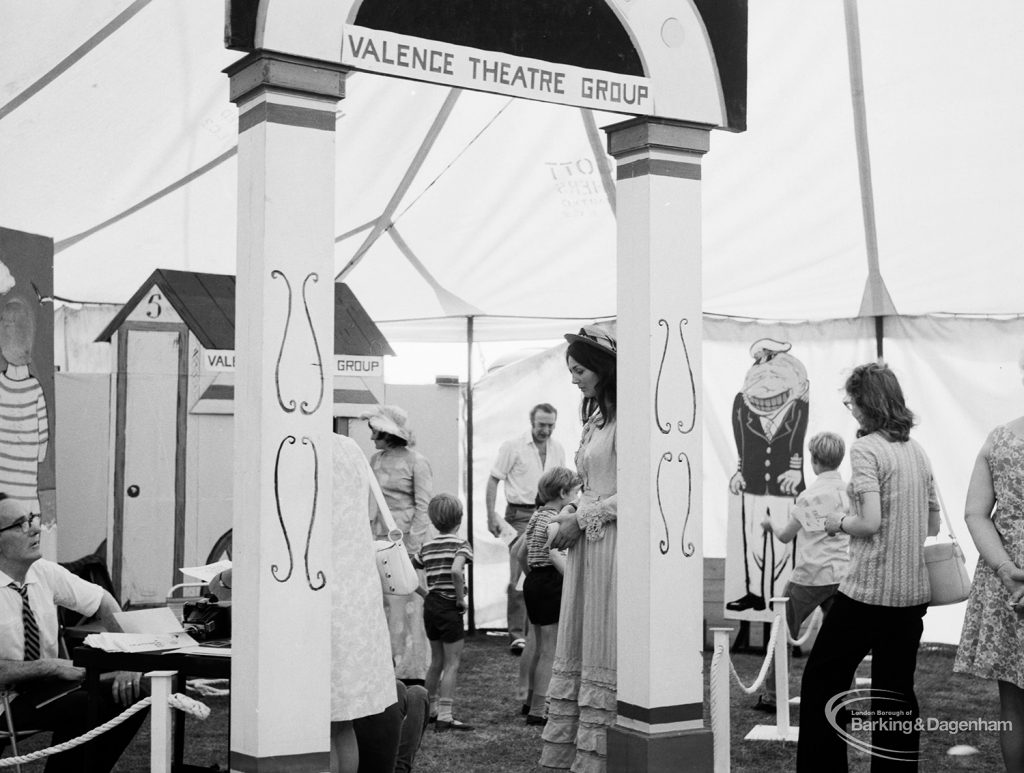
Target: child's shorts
{"type": "Point", "coordinates": [542, 592]}
{"type": "Point", "coordinates": [442, 619]}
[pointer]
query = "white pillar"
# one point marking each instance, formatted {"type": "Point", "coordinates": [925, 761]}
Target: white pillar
{"type": "Point", "coordinates": [660, 560]}
{"type": "Point", "coordinates": [161, 722]}
{"type": "Point", "coordinates": [781, 667]}
{"type": "Point", "coordinates": [284, 338]}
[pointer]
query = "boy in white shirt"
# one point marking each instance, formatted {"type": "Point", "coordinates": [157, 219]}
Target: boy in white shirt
{"type": "Point", "coordinates": [821, 560]}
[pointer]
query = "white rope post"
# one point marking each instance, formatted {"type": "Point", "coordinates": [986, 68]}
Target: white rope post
{"type": "Point", "coordinates": [720, 725]}
{"type": "Point", "coordinates": [160, 722]}
{"type": "Point", "coordinates": [781, 668]}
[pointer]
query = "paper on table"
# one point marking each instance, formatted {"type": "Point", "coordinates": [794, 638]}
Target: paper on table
{"type": "Point", "coordinates": [207, 572]}
{"type": "Point", "coordinates": [156, 620]}
{"type": "Point", "coordinates": [204, 649]}
{"type": "Point", "coordinates": [139, 642]}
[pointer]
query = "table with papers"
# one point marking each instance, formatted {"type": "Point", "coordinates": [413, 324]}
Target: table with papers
{"type": "Point", "coordinates": [211, 660]}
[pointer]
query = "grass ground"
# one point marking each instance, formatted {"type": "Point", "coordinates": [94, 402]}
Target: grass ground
{"type": "Point", "coordinates": [502, 743]}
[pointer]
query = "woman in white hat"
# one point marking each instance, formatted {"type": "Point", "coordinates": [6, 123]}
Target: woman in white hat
{"type": "Point", "coordinates": [407, 482]}
{"type": "Point", "coordinates": [581, 694]}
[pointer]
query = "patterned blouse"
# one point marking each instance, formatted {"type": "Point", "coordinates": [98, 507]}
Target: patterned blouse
{"type": "Point", "coordinates": [887, 568]}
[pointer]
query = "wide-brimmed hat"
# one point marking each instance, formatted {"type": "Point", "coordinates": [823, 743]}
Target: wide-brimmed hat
{"type": "Point", "coordinates": [391, 420]}
{"type": "Point", "coordinates": [595, 336]}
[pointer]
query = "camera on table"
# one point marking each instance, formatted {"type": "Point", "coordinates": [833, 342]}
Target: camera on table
{"type": "Point", "coordinates": [206, 619]}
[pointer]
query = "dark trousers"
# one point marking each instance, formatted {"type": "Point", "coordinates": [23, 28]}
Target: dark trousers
{"type": "Point", "coordinates": [66, 717]}
{"type": "Point", "coordinates": [388, 741]}
{"type": "Point", "coordinates": [848, 633]}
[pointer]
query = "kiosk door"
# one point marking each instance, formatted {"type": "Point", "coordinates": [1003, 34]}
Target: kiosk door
{"type": "Point", "coordinates": [148, 517]}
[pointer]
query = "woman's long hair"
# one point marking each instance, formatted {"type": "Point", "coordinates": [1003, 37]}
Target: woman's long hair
{"type": "Point", "coordinates": [603, 364]}
{"type": "Point", "coordinates": [879, 397]}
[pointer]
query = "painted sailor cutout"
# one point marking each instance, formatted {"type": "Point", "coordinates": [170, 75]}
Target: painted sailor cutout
{"type": "Point", "coordinates": [769, 421]}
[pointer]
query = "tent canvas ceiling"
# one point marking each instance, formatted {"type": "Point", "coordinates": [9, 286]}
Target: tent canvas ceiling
{"type": "Point", "coordinates": [117, 139]}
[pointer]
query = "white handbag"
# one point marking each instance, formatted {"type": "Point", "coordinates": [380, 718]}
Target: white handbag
{"type": "Point", "coordinates": [947, 567]}
{"type": "Point", "coordinates": [398, 576]}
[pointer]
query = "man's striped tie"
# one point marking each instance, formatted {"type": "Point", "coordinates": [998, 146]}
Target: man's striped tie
{"type": "Point", "coordinates": [29, 622]}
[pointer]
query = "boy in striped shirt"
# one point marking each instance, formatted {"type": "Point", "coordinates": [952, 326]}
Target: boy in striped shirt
{"type": "Point", "coordinates": [443, 559]}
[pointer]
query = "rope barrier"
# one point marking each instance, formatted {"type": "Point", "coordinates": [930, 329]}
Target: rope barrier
{"type": "Point", "coordinates": [764, 666]}
{"type": "Point", "coordinates": [177, 701]}
{"type": "Point", "coordinates": [813, 625]}
{"type": "Point", "coordinates": [720, 723]}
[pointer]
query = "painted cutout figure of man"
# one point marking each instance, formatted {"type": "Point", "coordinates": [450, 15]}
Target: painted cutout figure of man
{"type": "Point", "coordinates": [24, 423]}
{"type": "Point", "coordinates": [769, 421]}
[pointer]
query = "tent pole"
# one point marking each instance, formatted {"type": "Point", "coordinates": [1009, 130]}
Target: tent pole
{"type": "Point", "coordinates": [469, 462]}
{"type": "Point", "coordinates": [876, 300]}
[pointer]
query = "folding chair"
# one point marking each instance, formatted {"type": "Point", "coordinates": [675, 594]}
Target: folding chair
{"type": "Point", "coordinates": [8, 732]}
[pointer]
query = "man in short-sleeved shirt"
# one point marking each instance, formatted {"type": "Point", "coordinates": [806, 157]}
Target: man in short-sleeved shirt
{"type": "Point", "coordinates": [48, 695]}
{"type": "Point", "coordinates": [519, 465]}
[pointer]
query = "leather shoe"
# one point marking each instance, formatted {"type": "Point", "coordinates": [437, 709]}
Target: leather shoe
{"type": "Point", "coordinates": [534, 720]}
{"type": "Point", "coordinates": [766, 706]}
{"type": "Point", "coordinates": [749, 601]}
{"type": "Point", "coordinates": [442, 726]}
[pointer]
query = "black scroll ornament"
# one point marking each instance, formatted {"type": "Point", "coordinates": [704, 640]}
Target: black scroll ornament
{"type": "Point", "coordinates": [274, 568]}
{"type": "Point", "coordinates": [688, 548]}
{"type": "Point", "coordinates": [685, 429]}
{"type": "Point", "coordinates": [290, 405]}
{"type": "Point", "coordinates": [663, 545]}
{"type": "Point", "coordinates": [666, 426]}
{"type": "Point", "coordinates": [316, 345]}
{"type": "Point", "coordinates": [290, 440]}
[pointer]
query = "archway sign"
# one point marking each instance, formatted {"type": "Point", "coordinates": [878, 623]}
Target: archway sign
{"type": "Point", "coordinates": [676, 70]}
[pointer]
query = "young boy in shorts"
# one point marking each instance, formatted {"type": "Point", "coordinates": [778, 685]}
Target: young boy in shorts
{"type": "Point", "coordinates": [821, 559]}
{"type": "Point", "coordinates": [443, 559]}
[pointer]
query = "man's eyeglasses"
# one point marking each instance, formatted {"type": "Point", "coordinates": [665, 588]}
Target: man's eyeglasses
{"type": "Point", "coordinates": [25, 524]}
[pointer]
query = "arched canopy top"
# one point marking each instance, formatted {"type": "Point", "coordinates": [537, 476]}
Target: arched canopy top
{"type": "Point", "coordinates": [679, 60]}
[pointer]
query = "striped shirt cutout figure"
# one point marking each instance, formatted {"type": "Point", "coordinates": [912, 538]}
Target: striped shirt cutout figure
{"type": "Point", "coordinates": [24, 434]}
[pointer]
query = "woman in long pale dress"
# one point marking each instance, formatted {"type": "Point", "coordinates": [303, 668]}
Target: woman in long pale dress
{"type": "Point", "coordinates": [582, 698]}
{"type": "Point", "coordinates": [362, 678]}
{"type": "Point", "coordinates": [992, 640]}
{"type": "Point", "coordinates": [407, 483]}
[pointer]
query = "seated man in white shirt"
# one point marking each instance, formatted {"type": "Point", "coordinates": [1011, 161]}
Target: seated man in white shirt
{"type": "Point", "coordinates": [29, 662]}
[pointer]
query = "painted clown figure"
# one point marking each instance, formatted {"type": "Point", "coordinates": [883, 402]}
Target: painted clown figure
{"type": "Point", "coordinates": [769, 421]}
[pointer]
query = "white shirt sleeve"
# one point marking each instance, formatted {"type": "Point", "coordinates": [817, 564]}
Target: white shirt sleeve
{"type": "Point", "coordinates": [71, 591]}
{"type": "Point", "coordinates": [503, 464]}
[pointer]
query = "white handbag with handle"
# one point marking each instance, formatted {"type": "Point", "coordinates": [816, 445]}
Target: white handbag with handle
{"type": "Point", "coordinates": [398, 576]}
{"type": "Point", "coordinates": [947, 567]}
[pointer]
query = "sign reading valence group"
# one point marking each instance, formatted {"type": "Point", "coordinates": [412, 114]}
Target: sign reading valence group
{"type": "Point", "coordinates": [470, 68]}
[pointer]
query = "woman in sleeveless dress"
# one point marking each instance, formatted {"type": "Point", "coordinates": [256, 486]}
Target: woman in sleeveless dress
{"type": "Point", "coordinates": [992, 641]}
{"type": "Point", "coordinates": [583, 680]}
